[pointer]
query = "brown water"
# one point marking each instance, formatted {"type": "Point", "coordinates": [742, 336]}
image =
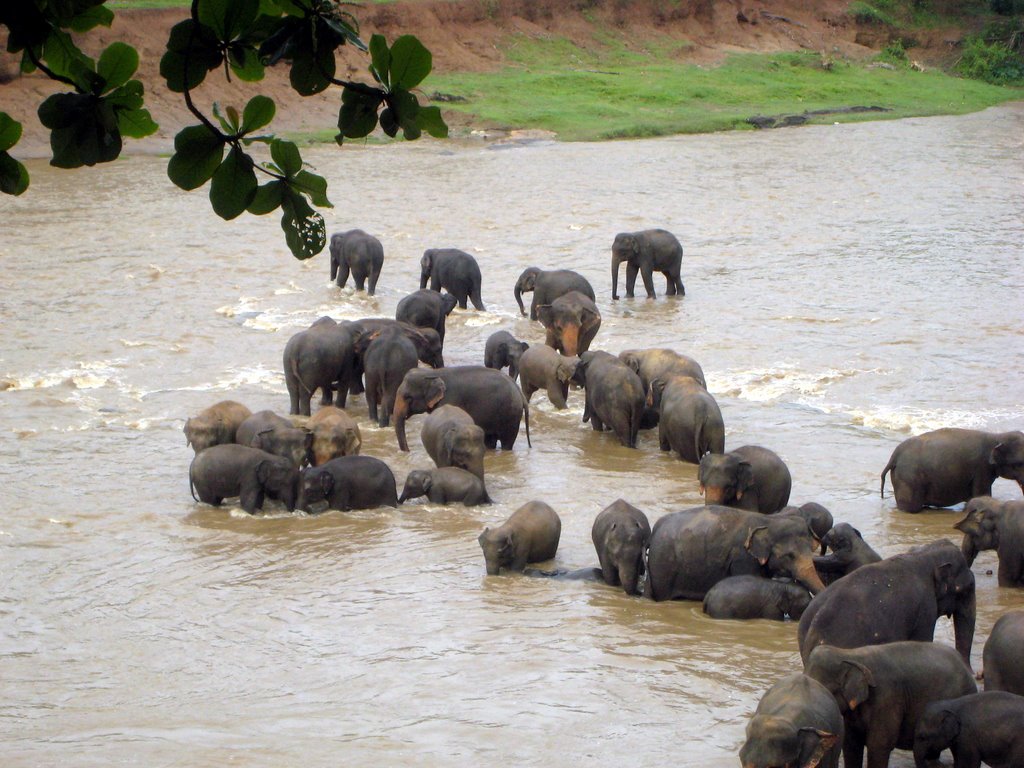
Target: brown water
{"type": "Point", "coordinates": [847, 286]}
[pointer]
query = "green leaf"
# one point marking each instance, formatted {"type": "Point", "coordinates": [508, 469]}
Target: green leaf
{"type": "Point", "coordinates": [344, 31]}
{"type": "Point", "coordinates": [198, 154]}
{"type": "Point", "coordinates": [245, 62]}
{"type": "Point", "coordinates": [314, 186]}
{"type": "Point", "coordinates": [388, 122]}
{"type": "Point", "coordinates": [98, 15]}
{"type": "Point", "coordinates": [293, 7]}
{"type": "Point", "coordinates": [225, 125]}
{"type": "Point", "coordinates": [89, 134]}
{"type": "Point", "coordinates": [117, 64]}
{"type": "Point", "coordinates": [304, 229]}
{"type": "Point", "coordinates": [430, 120]}
{"type": "Point", "coordinates": [62, 110]}
{"type": "Point", "coordinates": [380, 58]}
{"type": "Point", "coordinates": [233, 185]}
{"type": "Point", "coordinates": [258, 112]}
{"type": "Point", "coordinates": [136, 123]}
{"type": "Point", "coordinates": [10, 131]}
{"type": "Point", "coordinates": [228, 18]}
{"type": "Point", "coordinates": [64, 57]}
{"type": "Point", "coordinates": [358, 115]}
{"type": "Point", "coordinates": [287, 156]}
{"type": "Point", "coordinates": [128, 96]}
{"type": "Point", "coordinates": [410, 62]}
{"type": "Point", "coordinates": [267, 198]}
{"type": "Point", "coordinates": [405, 111]}
{"type": "Point", "coordinates": [311, 70]}
{"type": "Point", "coordinates": [13, 176]}
{"type": "Point", "coordinates": [194, 44]}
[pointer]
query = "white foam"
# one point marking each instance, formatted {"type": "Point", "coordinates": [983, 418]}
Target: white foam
{"type": "Point", "coordinates": [86, 375]}
{"type": "Point", "coordinates": [915, 421]}
{"type": "Point", "coordinates": [786, 380]}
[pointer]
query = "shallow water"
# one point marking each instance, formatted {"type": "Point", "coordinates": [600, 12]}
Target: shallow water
{"type": "Point", "coordinates": [847, 287]}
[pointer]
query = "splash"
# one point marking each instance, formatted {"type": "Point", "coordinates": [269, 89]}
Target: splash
{"type": "Point", "coordinates": [779, 383]}
{"type": "Point", "coordinates": [914, 421]}
{"type": "Point", "coordinates": [86, 375]}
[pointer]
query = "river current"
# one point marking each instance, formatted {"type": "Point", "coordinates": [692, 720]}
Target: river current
{"type": "Point", "coordinates": [847, 287]}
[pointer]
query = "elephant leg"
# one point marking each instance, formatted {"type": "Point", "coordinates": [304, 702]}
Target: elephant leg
{"type": "Point", "coordinates": [490, 441]}
{"type": "Point", "coordinates": [508, 438]}
{"type": "Point", "coordinates": [343, 270]}
{"type": "Point", "coordinates": [670, 284]}
{"type": "Point", "coordinates": [853, 750]}
{"type": "Point", "coordinates": [372, 389]}
{"type": "Point", "coordinates": [359, 278]}
{"type": "Point", "coordinates": [462, 297]}
{"type": "Point", "coordinates": [435, 283]}
{"type": "Point", "coordinates": [555, 395]}
{"type": "Point", "coordinates": [663, 442]}
{"type": "Point", "coordinates": [909, 498]}
{"type": "Point", "coordinates": [373, 282]}
{"type": "Point", "coordinates": [474, 296]}
{"type": "Point", "coordinates": [595, 421]}
{"type": "Point", "coordinates": [528, 389]}
{"type": "Point", "coordinates": [680, 288]}
{"type": "Point", "coordinates": [293, 394]}
{"type": "Point", "coordinates": [632, 270]}
{"type": "Point", "coordinates": [647, 272]}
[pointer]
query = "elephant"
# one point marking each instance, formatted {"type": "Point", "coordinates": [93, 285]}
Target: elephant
{"type": "Point", "coordinates": [547, 285]}
{"type": "Point", "coordinates": [749, 477]}
{"type": "Point", "coordinates": [335, 434]}
{"type": "Point", "coordinates": [226, 470]}
{"type": "Point", "coordinates": [426, 309]}
{"type": "Point", "coordinates": [947, 466]}
{"type": "Point", "coordinates": [541, 367]}
{"type": "Point", "coordinates": [349, 482]}
{"type": "Point", "coordinates": [386, 356]}
{"type": "Point", "coordinates": [504, 350]}
{"type": "Point", "coordinates": [427, 340]}
{"type": "Point", "coordinates": [358, 252]}
{"type": "Point", "coordinates": [849, 552]}
{"type": "Point", "coordinates": [491, 398]}
{"type": "Point", "coordinates": [689, 419]}
{"type": "Point", "coordinates": [620, 534]}
{"type": "Point", "coordinates": [694, 549]}
{"type": "Point", "coordinates": [992, 524]}
{"type": "Point", "coordinates": [445, 485]}
{"type": "Point", "coordinates": [215, 425]}
{"type": "Point", "coordinates": [455, 270]}
{"type": "Point", "coordinates": [899, 598]}
{"type": "Point", "coordinates": [453, 439]}
{"type": "Point", "coordinates": [321, 357]}
{"type": "Point", "coordinates": [572, 321]}
{"type": "Point", "coordinates": [530, 535]}
{"type": "Point", "coordinates": [1001, 658]}
{"type": "Point", "coordinates": [651, 364]}
{"type": "Point", "coordinates": [614, 396]}
{"type": "Point", "coordinates": [797, 723]}
{"type": "Point", "coordinates": [818, 518]}
{"type": "Point", "coordinates": [979, 727]}
{"type": "Point", "coordinates": [645, 252]}
{"type": "Point", "coordinates": [882, 691]}
{"type": "Point", "coordinates": [755, 597]}
{"type": "Point", "coordinates": [277, 435]}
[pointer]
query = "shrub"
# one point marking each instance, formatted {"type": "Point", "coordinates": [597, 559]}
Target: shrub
{"type": "Point", "coordinates": [992, 62]}
{"type": "Point", "coordinates": [894, 53]}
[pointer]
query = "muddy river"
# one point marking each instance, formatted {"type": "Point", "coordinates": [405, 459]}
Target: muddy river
{"type": "Point", "coordinates": [846, 287]}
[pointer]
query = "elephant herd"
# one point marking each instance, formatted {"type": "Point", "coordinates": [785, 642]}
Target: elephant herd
{"type": "Point", "coordinates": [872, 680]}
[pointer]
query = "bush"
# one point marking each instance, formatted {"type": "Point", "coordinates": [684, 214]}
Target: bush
{"type": "Point", "coordinates": [1006, 7]}
{"type": "Point", "coordinates": [992, 62]}
{"type": "Point", "coordinates": [865, 13]}
{"type": "Point", "coordinates": [894, 53]}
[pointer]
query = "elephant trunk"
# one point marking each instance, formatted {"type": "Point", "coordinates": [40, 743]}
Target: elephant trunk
{"type": "Point", "coordinates": [714, 494]}
{"type": "Point", "coordinates": [629, 577]}
{"type": "Point", "coordinates": [334, 268]}
{"type": "Point", "coordinates": [616, 261]}
{"type": "Point", "coordinates": [571, 340]}
{"type": "Point", "coordinates": [400, 414]}
{"type": "Point", "coordinates": [807, 575]}
{"type": "Point", "coordinates": [969, 548]}
{"type": "Point", "coordinates": [518, 291]}
{"type": "Point", "coordinates": [963, 625]}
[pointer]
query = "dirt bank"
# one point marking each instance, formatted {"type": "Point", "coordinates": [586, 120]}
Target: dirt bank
{"type": "Point", "coordinates": [466, 35]}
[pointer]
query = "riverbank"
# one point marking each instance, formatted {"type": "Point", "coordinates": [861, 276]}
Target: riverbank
{"type": "Point", "coordinates": [590, 70]}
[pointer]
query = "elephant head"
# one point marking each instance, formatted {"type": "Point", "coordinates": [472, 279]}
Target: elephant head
{"type": "Point", "coordinates": [463, 446]}
{"type": "Point", "coordinates": [418, 483]}
{"type": "Point", "coordinates": [526, 283]}
{"type": "Point", "coordinates": [724, 478]}
{"type": "Point", "coordinates": [571, 320]}
{"type": "Point", "coordinates": [792, 599]}
{"type": "Point", "coordinates": [936, 730]}
{"type": "Point", "coordinates": [426, 267]}
{"type": "Point", "coordinates": [818, 518]}
{"type": "Point", "coordinates": [773, 741]}
{"type": "Point", "coordinates": [448, 303]}
{"type": "Point", "coordinates": [980, 526]}
{"type": "Point", "coordinates": [280, 479]}
{"type": "Point", "coordinates": [315, 485]}
{"type": "Point", "coordinates": [428, 345]}
{"type": "Point", "coordinates": [954, 591]}
{"type": "Point", "coordinates": [627, 550]}
{"type": "Point", "coordinates": [420, 392]}
{"type": "Point", "coordinates": [849, 681]}
{"type": "Point", "coordinates": [337, 242]}
{"type": "Point", "coordinates": [294, 444]}
{"type": "Point", "coordinates": [783, 546]}
{"type": "Point", "coordinates": [626, 247]}
{"type": "Point", "coordinates": [1008, 457]}
{"type": "Point", "coordinates": [499, 548]}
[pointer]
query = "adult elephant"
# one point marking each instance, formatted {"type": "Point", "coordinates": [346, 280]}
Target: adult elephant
{"type": "Point", "coordinates": [1001, 658]}
{"type": "Point", "coordinates": [357, 252]}
{"type": "Point", "coordinates": [455, 270]}
{"type": "Point", "coordinates": [947, 466]}
{"type": "Point", "coordinates": [426, 309]}
{"type": "Point", "coordinates": [547, 285]}
{"type": "Point", "coordinates": [613, 395]}
{"type": "Point", "coordinates": [572, 322]}
{"type": "Point", "coordinates": [321, 357]}
{"type": "Point", "coordinates": [750, 477]}
{"type": "Point", "coordinates": [646, 252]}
{"type": "Point", "coordinates": [386, 357]}
{"type": "Point", "coordinates": [689, 419]}
{"type": "Point", "coordinates": [692, 550]}
{"type": "Point", "coordinates": [899, 598]}
{"type": "Point", "coordinates": [452, 439]}
{"type": "Point", "coordinates": [651, 364]}
{"type": "Point", "coordinates": [427, 340]}
{"type": "Point", "coordinates": [491, 398]}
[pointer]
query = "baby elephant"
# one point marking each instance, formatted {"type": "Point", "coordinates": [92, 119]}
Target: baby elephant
{"type": "Point", "coordinates": [445, 485]}
{"type": "Point", "coordinates": [755, 597]}
{"type": "Point", "coordinates": [335, 434]}
{"type": "Point", "coordinates": [503, 349]}
{"type": "Point", "coordinates": [1001, 657]}
{"type": "Point", "coordinates": [541, 367]}
{"type": "Point", "coordinates": [981, 727]}
{"type": "Point", "coordinates": [349, 482]}
{"type": "Point", "coordinates": [215, 425]}
{"type": "Point", "coordinates": [621, 533]}
{"type": "Point", "coordinates": [849, 552]}
{"type": "Point", "coordinates": [992, 524]}
{"type": "Point", "coordinates": [530, 535]}
{"type": "Point", "coordinates": [277, 435]}
{"type": "Point", "coordinates": [751, 478]}
{"type": "Point", "coordinates": [224, 471]}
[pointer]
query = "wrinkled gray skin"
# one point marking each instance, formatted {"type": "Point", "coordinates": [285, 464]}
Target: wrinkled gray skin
{"type": "Point", "coordinates": [614, 396]}
{"type": "Point", "coordinates": [426, 340]}
{"type": "Point", "coordinates": [445, 485]}
{"type": "Point", "coordinates": [1001, 658]}
{"type": "Point", "coordinates": [277, 435]}
{"type": "Point", "coordinates": [980, 727]}
{"type": "Point", "coordinates": [947, 466]}
{"type": "Point", "coordinates": [547, 285]}
{"type": "Point", "coordinates": [426, 309]}
{"type": "Point", "coordinates": [452, 439]}
{"type": "Point", "coordinates": [530, 535]}
{"type": "Point", "coordinates": [750, 477]}
{"type": "Point", "coordinates": [320, 357]}
{"type": "Point", "coordinates": [692, 550]}
{"type": "Point", "coordinates": [386, 356]}
{"type": "Point", "coordinates": [620, 535]}
{"type": "Point", "coordinates": [504, 350]}
{"type": "Point", "coordinates": [215, 425]}
{"type": "Point", "coordinates": [849, 552]}
{"type": "Point", "coordinates": [992, 524]}
{"type": "Point", "coordinates": [899, 598]}
{"type": "Point", "coordinates": [335, 434]}
{"type": "Point", "coordinates": [882, 691]}
{"type": "Point", "coordinates": [651, 364]}
{"type": "Point", "coordinates": [490, 397]}
{"type": "Point", "coordinates": [359, 253]}
{"type": "Point", "coordinates": [572, 321]}
{"type": "Point", "coordinates": [755, 597]}
{"type": "Point", "coordinates": [455, 270]}
{"type": "Point", "coordinates": [227, 470]}
{"type": "Point", "coordinates": [797, 724]}
{"type": "Point", "coordinates": [647, 252]}
{"type": "Point", "coordinates": [541, 367]}
{"type": "Point", "coordinates": [818, 518]}
{"type": "Point", "coordinates": [349, 482]}
{"type": "Point", "coordinates": [689, 419]}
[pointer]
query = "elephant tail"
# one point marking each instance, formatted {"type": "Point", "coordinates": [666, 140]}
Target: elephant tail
{"type": "Point", "coordinates": [888, 468]}
{"type": "Point", "coordinates": [191, 483]}
{"type": "Point", "coordinates": [526, 415]}
{"type": "Point", "coordinates": [298, 377]}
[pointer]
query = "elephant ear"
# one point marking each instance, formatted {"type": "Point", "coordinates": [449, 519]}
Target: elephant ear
{"type": "Point", "coordinates": [427, 481]}
{"type": "Point", "coordinates": [944, 580]}
{"type": "Point", "coordinates": [971, 524]}
{"type": "Point", "coordinates": [263, 471]}
{"type": "Point", "coordinates": [364, 341]}
{"type": "Point", "coordinates": [589, 317]}
{"type": "Point", "coordinates": [435, 392]}
{"type": "Point", "coordinates": [814, 744]}
{"type": "Point", "coordinates": [759, 544]}
{"type": "Point", "coordinates": [949, 726]}
{"type": "Point", "coordinates": [326, 483]}
{"type": "Point", "coordinates": [632, 361]}
{"type": "Point", "coordinates": [257, 439]}
{"type": "Point", "coordinates": [448, 445]}
{"type": "Point", "coordinates": [998, 454]}
{"type": "Point", "coordinates": [744, 478]}
{"type": "Point", "coordinates": [545, 315]}
{"type": "Point", "coordinates": [856, 682]}
{"type": "Point", "coordinates": [565, 370]}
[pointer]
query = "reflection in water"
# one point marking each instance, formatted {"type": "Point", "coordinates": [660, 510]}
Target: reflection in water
{"type": "Point", "coordinates": [847, 286]}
